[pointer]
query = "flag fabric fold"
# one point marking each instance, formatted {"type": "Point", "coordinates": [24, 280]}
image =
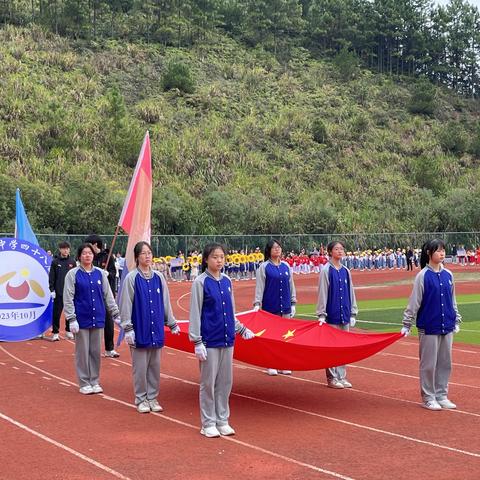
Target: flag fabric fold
{"type": "Point", "coordinates": [291, 344]}
{"type": "Point", "coordinates": [23, 229]}
{"type": "Point", "coordinates": [135, 219]}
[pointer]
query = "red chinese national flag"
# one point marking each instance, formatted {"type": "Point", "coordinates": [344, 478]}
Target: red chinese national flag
{"type": "Point", "coordinates": [136, 214]}
{"type": "Point", "coordinates": [291, 344]}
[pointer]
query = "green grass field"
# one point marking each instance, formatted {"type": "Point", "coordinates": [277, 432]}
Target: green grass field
{"type": "Point", "coordinates": [386, 315]}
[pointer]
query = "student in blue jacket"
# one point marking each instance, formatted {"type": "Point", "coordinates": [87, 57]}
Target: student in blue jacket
{"type": "Point", "coordinates": [212, 329]}
{"type": "Point", "coordinates": [433, 306]}
{"type": "Point", "coordinates": [336, 304]}
{"type": "Point", "coordinates": [145, 309]}
{"type": "Point", "coordinates": [87, 298]}
{"type": "Point", "coordinates": [274, 288]}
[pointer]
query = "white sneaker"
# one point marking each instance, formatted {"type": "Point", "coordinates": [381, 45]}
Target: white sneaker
{"type": "Point", "coordinates": [335, 384]}
{"type": "Point", "coordinates": [431, 405]}
{"type": "Point", "coordinates": [69, 335]}
{"type": "Point", "coordinates": [143, 407]}
{"type": "Point", "coordinates": [111, 354]}
{"type": "Point", "coordinates": [272, 372]}
{"type": "Point", "coordinates": [86, 390]}
{"type": "Point", "coordinates": [225, 430]}
{"type": "Point", "coordinates": [285, 372]}
{"type": "Point", "coordinates": [346, 383]}
{"type": "Point", "coordinates": [155, 406]}
{"type": "Point", "coordinates": [55, 337]}
{"type": "Point", "coordinates": [446, 403]}
{"type": "Point", "coordinates": [97, 388]}
{"type": "Point", "coordinates": [210, 432]}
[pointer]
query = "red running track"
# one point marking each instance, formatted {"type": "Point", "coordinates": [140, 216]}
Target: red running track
{"type": "Point", "coordinates": [287, 427]}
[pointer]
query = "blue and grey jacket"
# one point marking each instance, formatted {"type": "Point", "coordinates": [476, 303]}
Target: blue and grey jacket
{"type": "Point", "coordinates": [87, 296]}
{"type": "Point", "coordinates": [274, 289]}
{"type": "Point", "coordinates": [432, 302]}
{"type": "Point", "coordinates": [145, 308]}
{"type": "Point", "coordinates": [212, 312]}
{"type": "Point", "coordinates": [336, 302]}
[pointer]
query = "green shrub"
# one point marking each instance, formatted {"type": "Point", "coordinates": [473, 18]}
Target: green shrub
{"type": "Point", "coordinates": [319, 131]}
{"type": "Point", "coordinates": [453, 138]}
{"type": "Point", "coordinates": [423, 98]}
{"type": "Point", "coordinates": [178, 75]}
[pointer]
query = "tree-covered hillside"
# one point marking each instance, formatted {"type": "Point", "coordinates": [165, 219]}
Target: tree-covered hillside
{"type": "Point", "coordinates": [247, 137]}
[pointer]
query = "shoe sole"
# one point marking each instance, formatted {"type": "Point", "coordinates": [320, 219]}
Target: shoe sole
{"type": "Point", "coordinates": [337, 387]}
{"type": "Point", "coordinates": [432, 409]}
{"type": "Point", "coordinates": [202, 432]}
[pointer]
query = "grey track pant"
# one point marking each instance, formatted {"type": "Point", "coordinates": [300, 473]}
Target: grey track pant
{"type": "Point", "coordinates": [88, 347]}
{"type": "Point", "coordinates": [340, 372]}
{"type": "Point", "coordinates": [435, 365]}
{"type": "Point", "coordinates": [215, 386]}
{"type": "Point", "coordinates": [146, 373]}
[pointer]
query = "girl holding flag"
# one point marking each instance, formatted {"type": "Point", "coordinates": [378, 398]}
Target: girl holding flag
{"type": "Point", "coordinates": [212, 329]}
{"type": "Point", "coordinates": [336, 304]}
{"type": "Point", "coordinates": [274, 289]}
{"type": "Point", "coordinates": [145, 309]}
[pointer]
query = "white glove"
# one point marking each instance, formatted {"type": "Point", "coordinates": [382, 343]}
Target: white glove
{"type": "Point", "coordinates": [293, 311]}
{"type": "Point", "coordinates": [405, 331]}
{"type": "Point", "coordinates": [74, 326]}
{"type": "Point", "coordinates": [248, 334]}
{"type": "Point", "coordinates": [457, 328]}
{"type": "Point", "coordinates": [256, 308]}
{"type": "Point", "coordinates": [201, 352]}
{"type": "Point", "coordinates": [353, 321]}
{"type": "Point", "coordinates": [130, 337]}
{"type": "Point", "coordinates": [175, 330]}
{"type": "Point", "coordinates": [321, 320]}
{"type": "Point", "coordinates": [53, 295]}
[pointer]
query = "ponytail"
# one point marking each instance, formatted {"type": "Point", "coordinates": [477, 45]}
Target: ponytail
{"type": "Point", "coordinates": [424, 256]}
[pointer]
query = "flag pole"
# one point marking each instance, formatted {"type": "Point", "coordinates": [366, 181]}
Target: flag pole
{"type": "Point", "coordinates": [115, 235]}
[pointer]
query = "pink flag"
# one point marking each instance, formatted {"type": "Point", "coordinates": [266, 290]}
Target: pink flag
{"type": "Point", "coordinates": [136, 214]}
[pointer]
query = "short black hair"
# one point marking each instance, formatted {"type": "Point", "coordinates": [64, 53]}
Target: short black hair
{"type": "Point", "coordinates": [209, 248]}
{"type": "Point", "coordinates": [137, 249]}
{"type": "Point", "coordinates": [332, 244]}
{"type": "Point", "coordinates": [269, 246]}
{"type": "Point", "coordinates": [82, 247]}
{"type": "Point", "coordinates": [95, 240]}
{"type": "Point", "coordinates": [64, 244]}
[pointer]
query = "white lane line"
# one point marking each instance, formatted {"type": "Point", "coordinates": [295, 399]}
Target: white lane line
{"type": "Point", "coordinates": [15, 368]}
{"type": "Point", "coordinates": [61, 383]}
{"type": "Point", "coordinates": [386, 372]}
{"type": "Point", "coordinates": [40, 361]}
{"type": "Point", "coordinates": [2, 363]}
{"type": "Point", "coordinates": [416, 358]}
{"type": "Point", "coordinates": [64, 447]}
{"type": "Point", "coordinates": [346, 422]}
{"type": "Point", "coordinates": [46, 378]}
{"type": "Point", "coordinates": [195, 427]}
{"type": "Point", "coordinates": [180, 298]}
{"type": "Point", "coordinates": [30, 373]}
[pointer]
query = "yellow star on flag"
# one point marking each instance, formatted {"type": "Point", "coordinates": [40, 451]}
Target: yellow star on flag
{"type": "Point", "coordinates": [259, 334]}
{"type": "Point", "coordinates": [289, 334]}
